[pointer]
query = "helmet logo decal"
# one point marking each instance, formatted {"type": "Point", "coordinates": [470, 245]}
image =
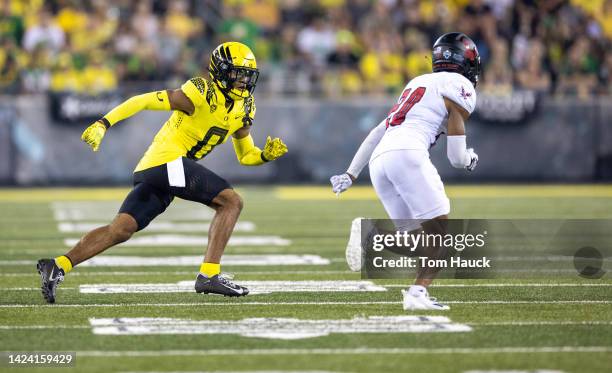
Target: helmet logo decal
{"type": "Point", "coordinates": [470, 54]}
{"type": "Point", "coordinates": [456, 52]}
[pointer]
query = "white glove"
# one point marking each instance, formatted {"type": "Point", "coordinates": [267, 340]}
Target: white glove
{"type": "Point", "coordinates": [473, 160]}
{"type": "Point", "coordinates": [340, 183]}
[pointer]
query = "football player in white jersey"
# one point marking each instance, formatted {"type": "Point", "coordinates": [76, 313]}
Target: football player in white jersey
{"type": "Point", "coordinates": [405, 180]}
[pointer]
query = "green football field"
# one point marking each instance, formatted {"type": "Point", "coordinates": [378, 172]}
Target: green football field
{"type": "Point", "coordinates": [139, 314]}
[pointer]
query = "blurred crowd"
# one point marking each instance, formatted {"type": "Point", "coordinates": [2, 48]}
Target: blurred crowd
{"type": "Point", "coordinates": [330, 48]}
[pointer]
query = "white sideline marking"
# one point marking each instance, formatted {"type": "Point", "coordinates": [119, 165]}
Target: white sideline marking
{"type": "Point", "coordinates": [486, 323]}
{"type": "Point", "coordinates": [255, 287]}
{"type": "Point", "coordinates": [191, 260]}
{"type": "Point", "coordinates": [349, 351]}
{"type": "Point", "coordinates": [155, 226]}
{"type": "Point", "coordinates": [275, 328]}
{"type": "Point", "coordinates": [281, 303]}
{"type": "Point", "coordinates": [191, 240]}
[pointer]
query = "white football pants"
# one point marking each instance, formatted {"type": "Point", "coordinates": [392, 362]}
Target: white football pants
{"type": "Point", "coordinates": [408, 185]}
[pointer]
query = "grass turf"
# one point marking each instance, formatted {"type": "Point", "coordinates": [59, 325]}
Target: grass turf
{"type": "Point", "coordinates": [527, 332]}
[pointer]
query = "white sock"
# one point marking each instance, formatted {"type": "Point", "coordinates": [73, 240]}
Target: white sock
{"type": "Point", "coordinates": [417, 290]}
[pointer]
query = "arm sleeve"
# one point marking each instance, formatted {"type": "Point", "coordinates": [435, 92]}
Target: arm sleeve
{"type": "Point", "coordinates": [366, 148]}
{"type": "Point", "coordinates": [461, 91]}
{"type": "Point", "coordinates": [456, 151]}
{"type": "Point", "coordinates": [247, 153]}
{"type": "Point", "coordinates": [195, 90]}
{"type": "Point", "coordinates": [148, 101]}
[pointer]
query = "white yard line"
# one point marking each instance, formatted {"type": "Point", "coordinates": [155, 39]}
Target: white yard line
{"type": "Point", "coordinates": [192, 260]}
{"type": "Point", "coordinates": [164, 240]}
{"type": "Point", "coordinates": [155, 226]}
{"type": "Point", "coordinates": [256, 287]}
{"type": "Point", "coordinates": [486, 323]}
{"type": "Point", "coordinates": [349, 351]}
{"type": "Point", "coordinates": [275, 304]}
{"type": "Point", "coordinates": [277, 328]}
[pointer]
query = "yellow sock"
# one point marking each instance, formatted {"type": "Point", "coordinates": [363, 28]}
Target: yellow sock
{"type": "Point", "coordinates": [64, 263]}
{"type": "Point", "coordinates": [210, 269]}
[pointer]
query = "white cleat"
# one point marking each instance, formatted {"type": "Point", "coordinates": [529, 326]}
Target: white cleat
{"type": "Point", "coordinates": [354, 254]}
{"type": "Point", "coordinates": [420, 300]}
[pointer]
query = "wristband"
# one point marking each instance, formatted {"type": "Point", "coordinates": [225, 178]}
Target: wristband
{"type": "Point", "coordinates": [105, 122]}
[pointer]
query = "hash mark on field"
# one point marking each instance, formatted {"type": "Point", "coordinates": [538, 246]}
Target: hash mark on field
{"type": "Point", "coordinates": [349, 351]}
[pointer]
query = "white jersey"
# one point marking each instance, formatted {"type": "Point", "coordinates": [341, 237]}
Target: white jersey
{"type": "Point", "coordinates": [419, 117]}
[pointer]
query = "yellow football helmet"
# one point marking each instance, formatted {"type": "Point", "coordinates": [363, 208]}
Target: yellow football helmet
{"type": "Point", "coordinates": [234, 69]}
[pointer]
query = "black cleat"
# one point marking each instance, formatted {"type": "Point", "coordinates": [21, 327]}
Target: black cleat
{"type": "Point", "coordinates": [219, 285]}
{"type": "Point", "coordinates": [51, 276]}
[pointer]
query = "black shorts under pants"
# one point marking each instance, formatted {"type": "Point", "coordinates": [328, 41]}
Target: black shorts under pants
{"type": "Point", "coordinates": [152, 192]}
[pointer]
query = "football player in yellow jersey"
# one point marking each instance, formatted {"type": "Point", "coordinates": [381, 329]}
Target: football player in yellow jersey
{"type": "Point", "coordinates": [205, 114]}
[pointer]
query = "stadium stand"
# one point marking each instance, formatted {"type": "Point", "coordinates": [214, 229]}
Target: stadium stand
{"type": "Point", "coordinates": [331, 48]}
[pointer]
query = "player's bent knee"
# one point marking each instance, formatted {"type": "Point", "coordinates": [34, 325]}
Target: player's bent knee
{"type": "Point", "coordinates": [120, 234]}
{"type": "Point", "coordinates": [237, 202]}
{"type": "Point", "coordinates": [228, 199]}
{"type": "Point", "coordinates": [122, 228]}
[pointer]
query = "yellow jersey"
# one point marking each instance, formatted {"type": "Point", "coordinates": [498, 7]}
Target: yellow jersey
{"type": "Point", "coordinates": [194, 136]}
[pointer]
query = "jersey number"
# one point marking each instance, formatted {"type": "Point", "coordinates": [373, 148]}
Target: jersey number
{"type": "Point", "coordinates": [396, 117]}
{"type": "Point", "coordinates": [220, 132]}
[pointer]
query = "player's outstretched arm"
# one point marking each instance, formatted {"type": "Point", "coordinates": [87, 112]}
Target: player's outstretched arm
{"type": "Point", "coordinates": [342, 182]}
{"type": "Point", "coordinates": [456, 150]}
{"type": "Point", "coordinates": [250, 155]}
{"type": "Point", "coordinates": [160, 100]}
